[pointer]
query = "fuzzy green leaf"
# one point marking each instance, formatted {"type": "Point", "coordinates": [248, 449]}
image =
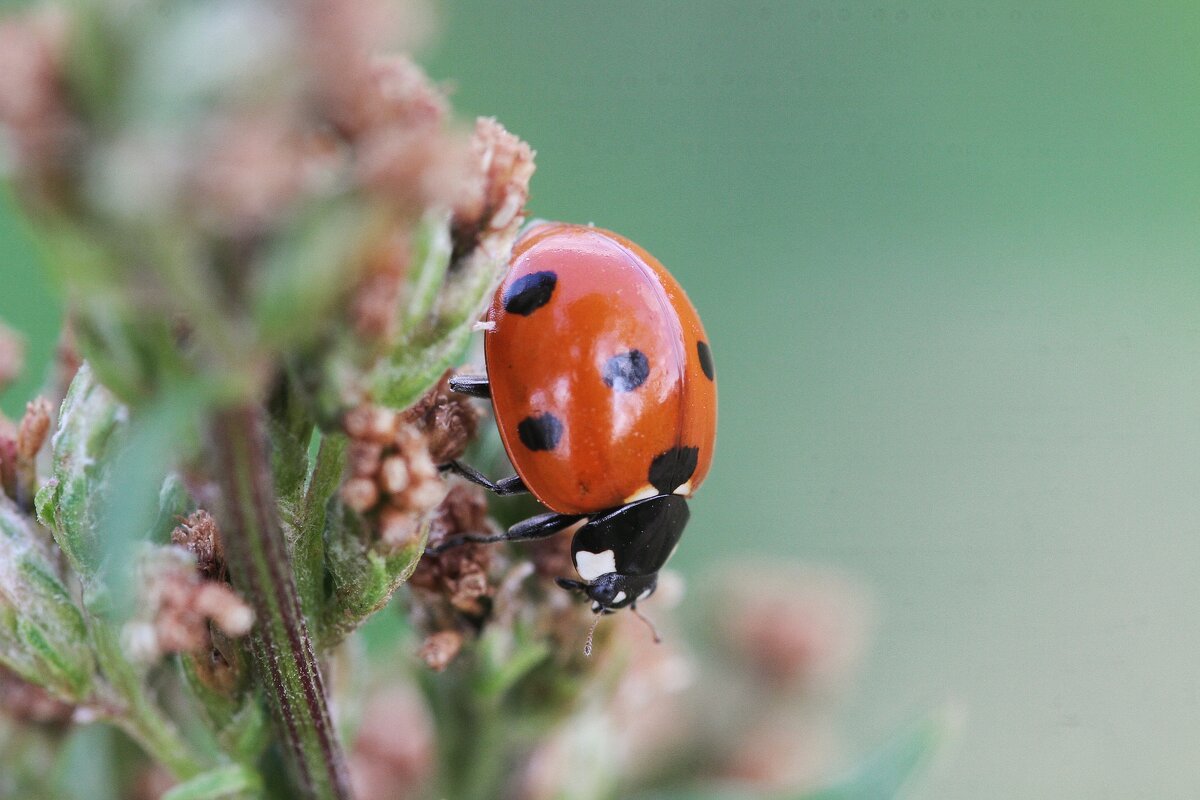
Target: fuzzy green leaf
{"type": "Point", "coordinates": [364, 579]}
{"type": "Point", "coordinates": [69, 503]}
{"type": "Point", "coordinates": [42, 633]}
{"type": "Point", "coordinates": [229, 781]}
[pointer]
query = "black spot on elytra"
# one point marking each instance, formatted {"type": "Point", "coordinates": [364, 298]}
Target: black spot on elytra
{"type": "Point", "coordinates": [529, 292]}
{"type": "Point", "coordinates": [705, 353]}
{"type": "Point", "coordinates": [626, 371]}
{"type": "Point", "coordinates": [540, 431]}
{"type": "Point", "coordinates": [672, 469]}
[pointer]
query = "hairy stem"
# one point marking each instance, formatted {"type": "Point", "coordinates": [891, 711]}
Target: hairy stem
{"type": "Point", "coordinates": [284, 659]}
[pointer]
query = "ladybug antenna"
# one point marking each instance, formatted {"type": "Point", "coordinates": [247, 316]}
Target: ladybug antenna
{"type": "Point", "coordinates": [649, 624]}
{"type": "Point", "coordinates": [587, 646]}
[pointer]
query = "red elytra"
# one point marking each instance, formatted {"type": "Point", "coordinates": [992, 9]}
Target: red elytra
{"type": "Point", "coordinates": [601, 373]}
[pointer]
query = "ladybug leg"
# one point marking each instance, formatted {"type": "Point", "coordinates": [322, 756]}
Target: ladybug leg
{"type": "Point", "coordinates": [540, 527]}
{"type": "Point", "coordinates": [502, 487]}
{"type": "Point", "coordinates": [471, 385]}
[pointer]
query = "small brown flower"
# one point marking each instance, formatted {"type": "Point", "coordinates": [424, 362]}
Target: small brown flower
{"type": "Point", "coordinates": [178, 607]}
{"type": "Point", "coordinates": [364, 457]}
{"type": "Point", "coordinates": [35, 425]}
{"type": "Point", "coordinates": [199, 535]}
{"type": "Point", "coordinates": [459, 575]}
{"type": "Point", "coordinates": [450, 420]}
{"type": "Point", "coordinates": [440, 649]}
{"type": "Point", "coordinates": [493, 209]}
{"type": "Point", "coordinates": [360, 494]}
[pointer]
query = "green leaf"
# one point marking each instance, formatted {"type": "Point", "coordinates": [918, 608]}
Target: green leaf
{"type": "Point", "coordinates": [308, 523]}
{"type": "Point", "coordinates": [227, 781]}
{"type": "Point", "coordinates": [364, 579]}
{"type": "Point", "coordinates": [69, 503]}
{"type": "Point", "coordinates": [439, 318]}
{"type": "Point", "coordinates": [43, 637]}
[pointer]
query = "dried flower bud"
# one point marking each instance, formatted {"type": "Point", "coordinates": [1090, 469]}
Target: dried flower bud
{"type": "Point", "coordinates": [494, 207]}
{"type": "Point", "coordinates": [360, 494]}
{"type": "Point", "coordinates": [371, 423]}
{"type": "Point", "coordinates": [440, 649]}
{"type": "Point", "coordinates": [398, 529]}
{"type": "Point", "coordinates": [218, 602]}
{"type": "Point", "coordinates": [35, 425]}
{"type": "Point", "coordinates": [459, 575]}
{"type": "Point", "coordinates": [199, 535]}
{"type": "Point", "coordinates": [364, 457]}
{"type": "Point", "coordinates": [449, 420]}
{"type": "Point", "coordinates": [178, 605]}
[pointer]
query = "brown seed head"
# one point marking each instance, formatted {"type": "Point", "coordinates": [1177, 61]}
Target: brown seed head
{"type": "Point", "coordinates": [200, 536]}
{"type": "Point", "coordinates": [449, 420]}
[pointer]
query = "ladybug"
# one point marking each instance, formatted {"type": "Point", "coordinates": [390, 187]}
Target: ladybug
{"type": "Point", "coordinates": [601, 379]}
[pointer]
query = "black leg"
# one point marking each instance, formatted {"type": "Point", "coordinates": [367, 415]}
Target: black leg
{"type": "Point", "coordinates": [540, 527]}
{"type": "Point", "coordinates": [471, 385]}
{"type": "Point", "coordinates": [502, 487]}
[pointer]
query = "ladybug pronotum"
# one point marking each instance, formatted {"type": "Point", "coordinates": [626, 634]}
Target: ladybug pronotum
{"type": "Point", "coordinates": [602, 383]}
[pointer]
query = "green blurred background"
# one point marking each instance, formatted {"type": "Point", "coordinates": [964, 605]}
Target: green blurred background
{"type": "Point", "coordinates": [947, 255]}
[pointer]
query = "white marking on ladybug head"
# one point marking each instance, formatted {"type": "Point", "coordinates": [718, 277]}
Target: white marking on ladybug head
{"type": "Point", "coordinates": [684, 489]}
{"type": "Point", "coordinates": [618, 597]}
{"type": "Point", "coordinates": [649, 590]}
{"type": "Point", "coordinates": [596, 607]}
{"type": "Point", "coordinates": [644, 493]}
{"type": "Point", "coordinates": [592, 565]}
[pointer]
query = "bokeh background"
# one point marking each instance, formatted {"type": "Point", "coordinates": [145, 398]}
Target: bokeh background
{"type": "Point", "coordinates": [949, 261]}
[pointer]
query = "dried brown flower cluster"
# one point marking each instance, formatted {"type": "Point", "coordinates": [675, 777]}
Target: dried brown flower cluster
{"type": "Point", "coordinates": [460, 574]}
{"type": "Point", "coordinates": [492, 212]}
{"type": "Point", "coordinates": [199, 535]}
{"type": "Point", "coordinates": [393, 459]}
{"type": "Point", "coordinates": [178, 606]}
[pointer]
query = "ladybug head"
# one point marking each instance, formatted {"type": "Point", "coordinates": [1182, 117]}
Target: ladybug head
{"type": "Point", "coordinates": [613, 591]}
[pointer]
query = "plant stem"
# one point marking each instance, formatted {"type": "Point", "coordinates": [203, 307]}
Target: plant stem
{"type": "Point", "coordinates": [284, 659]}
{"type": "Point", "coordinates": [139, 715]}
